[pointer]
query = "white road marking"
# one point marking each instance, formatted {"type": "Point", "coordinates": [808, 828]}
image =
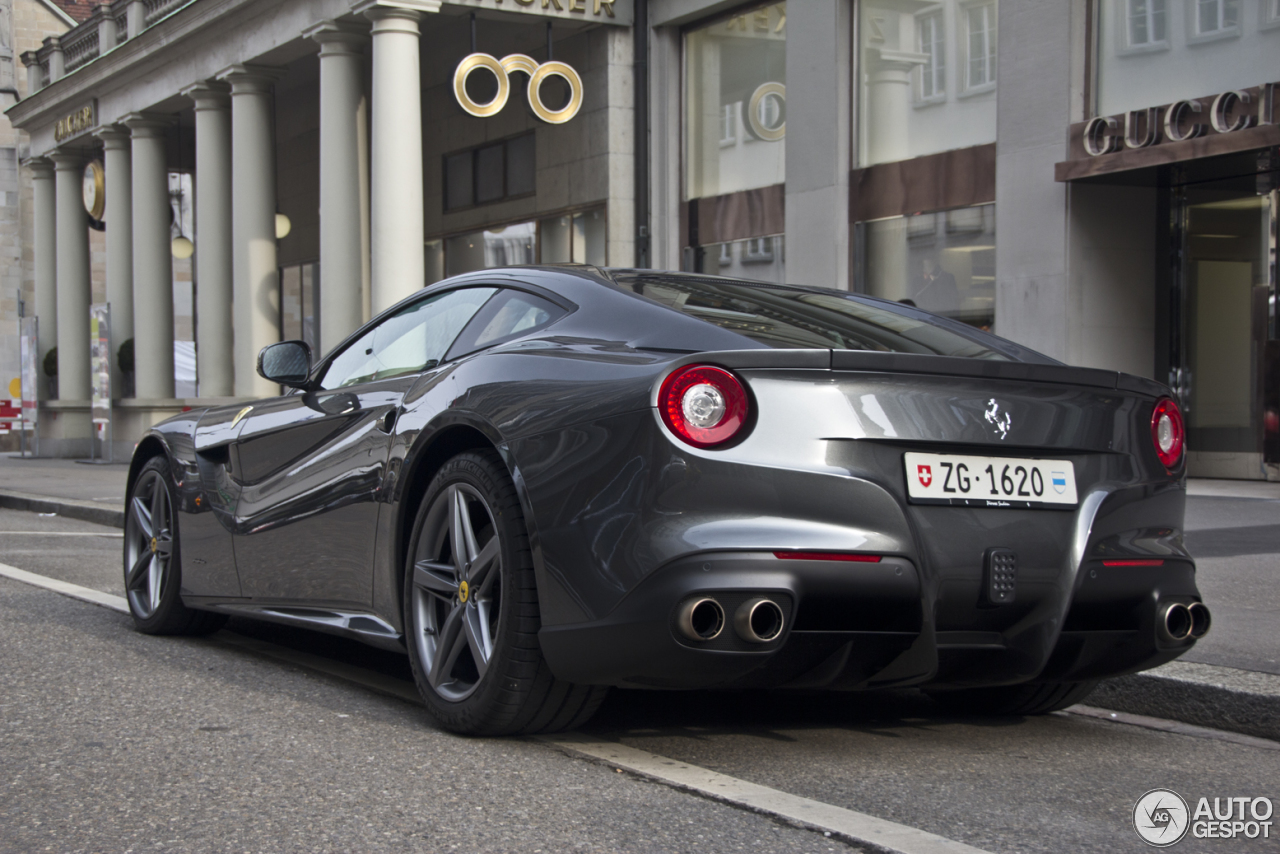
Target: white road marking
{"type": "Point", "coordinates": [367, 678]}
{"type": "Point", "coordinates": [59, 534]}
{"type": "Point", "coordinates": [859, 828]}
{"type": "Point", "coordinates": [66, 588]}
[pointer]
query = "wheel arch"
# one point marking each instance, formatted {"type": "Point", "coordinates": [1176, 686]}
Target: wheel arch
{"type": "Point", "coordinates": [424, 461]}
{"type": "Point", "coordinates": [150, 447]}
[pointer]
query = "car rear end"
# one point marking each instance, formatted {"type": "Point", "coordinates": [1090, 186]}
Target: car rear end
{"type": "Point", "coordinates": [858, 518]}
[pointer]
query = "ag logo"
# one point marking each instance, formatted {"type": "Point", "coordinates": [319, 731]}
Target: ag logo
{"type": "Point", "coordinates": [1161, 817]}
{"type": "Point", "coordinates": [925, 473]}
{"type": "Point", "coordinates": [502, 70]}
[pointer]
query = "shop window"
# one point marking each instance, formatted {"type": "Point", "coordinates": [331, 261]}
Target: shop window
{"type": "Point", "coordinates": [980, 46]}
{"type": "Point", "coordinates": [576, 238]}
{"type": "Point", "coordinates": [500, 246]}
{"type": "Point", "coordinates": [735, 102]}
{"type": "Point", "coordinates": [1154, 52]}
{"type": "Point", "coordinates": [573, 238]}
{"type": "Point", "coordinates": [490, 173]}
{"type": "Point", "coordinates": [941, 262]}
{"type": "Point", "coordinates": [759, 258]}
{"type": "Point", "coordinates": [300, 305]}
{"type": "Point", "coordinates": [1214, 19]}
{"type": "Point", "coordinates": [947, 51]}
{"type": "Point", "coordinates": [931, 41]}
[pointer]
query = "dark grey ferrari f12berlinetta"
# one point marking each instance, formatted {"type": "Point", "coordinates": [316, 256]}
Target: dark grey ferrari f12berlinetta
{"type": "Point", "coordinates": [541, 482]}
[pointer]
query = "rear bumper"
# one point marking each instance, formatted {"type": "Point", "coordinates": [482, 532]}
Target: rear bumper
{"type": "Point", "coordinates": [858, 626]}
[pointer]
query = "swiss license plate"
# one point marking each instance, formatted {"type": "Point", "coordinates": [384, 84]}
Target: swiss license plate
{"type": "Point", "coordinates": [990, 481]}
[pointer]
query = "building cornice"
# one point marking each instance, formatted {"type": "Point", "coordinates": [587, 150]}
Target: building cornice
{"type": "Point", "coordinates": [135, 58]}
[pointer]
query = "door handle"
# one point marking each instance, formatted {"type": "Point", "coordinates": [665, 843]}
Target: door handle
{"type": "Point", "coordinates": [388, 421]}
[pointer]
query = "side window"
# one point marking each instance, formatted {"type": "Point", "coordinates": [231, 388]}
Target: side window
{"type": "Point", "coordinates": [409, 341]}
{"type": "Point", "coordinates": [510, 314]}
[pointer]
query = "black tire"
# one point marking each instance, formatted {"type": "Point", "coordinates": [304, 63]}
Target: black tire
{"type": "Point", "coordinates": [1030, 699]}
{"type": "Point", "coordinates": [490, 591]}
{"type": "Point", "coordinates": [153, 559]}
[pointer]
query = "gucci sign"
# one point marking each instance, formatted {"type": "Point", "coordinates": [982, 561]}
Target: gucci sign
{"type": "Point", "coordinates": [502, 71]}
{"type": "Point", "coordinates": [1231, 111]}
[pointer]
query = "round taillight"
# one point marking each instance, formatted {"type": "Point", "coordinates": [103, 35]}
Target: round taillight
{"type": "Point", "coordinates": [703, 405]}
{"type": "Point", "coordinates": [1167, 432]}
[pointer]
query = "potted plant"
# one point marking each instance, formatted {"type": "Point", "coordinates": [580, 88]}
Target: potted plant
{"type": "Point", "coordinates": [124, 358]}
{"type": "Point", "coordinates": [51, 371]}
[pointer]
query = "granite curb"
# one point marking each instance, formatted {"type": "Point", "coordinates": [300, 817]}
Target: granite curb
{"type": "Point", "coordinates": [1224, 698]}
{"type": "Point", "coordinates": [86, 511]}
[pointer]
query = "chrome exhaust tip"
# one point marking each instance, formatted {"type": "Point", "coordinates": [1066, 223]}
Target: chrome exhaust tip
{"type": "Point", "coordinates": [1200, 619]}
{"type": "Point", "coordinates": [758, 620]}
{"type": "Point", "coordinates": [1174, 622]}
{"type": "Point", "coordinates": [700, 619]}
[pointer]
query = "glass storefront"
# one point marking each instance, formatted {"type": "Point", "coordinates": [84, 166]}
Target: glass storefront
{"type": "Point", "coordinates": [762, 259]}
{"type": "Point", "coordinates": [300, 304]}
{"type": "Point", "coordinates": [571, 238]}
{"type": "Point", "coordinates": [1154, 52]}
{"type": "Point", "coordinates": [735, 102]}
{"type": "Point", "coordinates": [927, 78]}
{"type": "Point", "coordinates": [1227, 355]}
{"type": "Point", "coordinates": [943, 262]}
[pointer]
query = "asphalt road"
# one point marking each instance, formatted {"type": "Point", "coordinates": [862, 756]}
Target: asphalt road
{"type": "Point", "coordinates": [1236, 544]}
{"type": "Point", "coordinates": [115, 741]}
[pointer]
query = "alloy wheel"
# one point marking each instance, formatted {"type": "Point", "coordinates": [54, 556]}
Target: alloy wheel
{"type": "Point", "coordinates": [457, 586]}
{"type": "Point", "coordinates": [148, 544]}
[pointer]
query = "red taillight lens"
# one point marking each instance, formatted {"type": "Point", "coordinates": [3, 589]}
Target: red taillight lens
{"type": "Point", "coordinates": [1167, 432]}
{"type": "Point", "coordinates": [1133, 562]}
{"type": "Point", "coordinates": [844, 556]}
{"type": "Point", "coordinates": [703, 405]}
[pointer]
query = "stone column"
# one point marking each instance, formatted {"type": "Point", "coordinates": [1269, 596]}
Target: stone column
{"type": "Point", "coordinates": [398, 256]}
{"type": "Point", "coordinates": [152, 259]}
{"type": "Point", "coordinates": [57, 58]}
{"type": "Point", "coordinates": [215, 339]}
{"type": "Point", "coordinates": [344, 188]}
{"type": "Point", "coordinates": [119, 214]}
{"type": "Point", "coordinates": [255, 279]}
{"type": "Point", "coordinates": [46, 261]}
{"type": "Point", "coordinates": [73, 276]}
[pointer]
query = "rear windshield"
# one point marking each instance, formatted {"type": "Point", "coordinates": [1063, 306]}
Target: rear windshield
{"type": "Point", "coordinates": [793, 318]}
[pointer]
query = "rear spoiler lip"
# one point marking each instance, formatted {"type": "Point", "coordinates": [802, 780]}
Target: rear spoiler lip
{"type": "Point", "coordinates": [911, 363]}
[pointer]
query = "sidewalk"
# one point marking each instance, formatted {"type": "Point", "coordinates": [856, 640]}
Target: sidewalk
{"type": "Point", "coordinates": [1231, 680]}
{"type": "Point", "coordinates": [93, 492]}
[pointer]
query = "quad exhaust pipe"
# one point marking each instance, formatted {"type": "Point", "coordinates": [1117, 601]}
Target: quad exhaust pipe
{"type": "Point", "coordinates": [1178, 622]}
{"type": "Point", "coordinates": [758, 620]}
{"type": "Point", "coordinates": [701, 619]}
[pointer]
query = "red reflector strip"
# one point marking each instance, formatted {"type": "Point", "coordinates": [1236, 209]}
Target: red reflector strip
{"type": "Point", "coordinates": [827, 556]}
{"type": "Point", "coordinates": [1133, 563]}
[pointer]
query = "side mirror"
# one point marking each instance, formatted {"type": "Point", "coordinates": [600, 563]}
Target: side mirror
{"type": "Point", "coordinates": [287, 363]}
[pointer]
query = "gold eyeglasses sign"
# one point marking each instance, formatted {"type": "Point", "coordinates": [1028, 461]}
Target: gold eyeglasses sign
{"type": "Point", "coordinates": [502, 71]}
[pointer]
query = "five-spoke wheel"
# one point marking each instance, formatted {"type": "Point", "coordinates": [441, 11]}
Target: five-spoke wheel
{"type": "Point", "coordinates": [457, 591]}
{"type": "Point", "coordinates": [148, 543]}
{"type": "Point", "coordinates": [471, 609]}
{"type": "Point", "coordinates": [152, 558]}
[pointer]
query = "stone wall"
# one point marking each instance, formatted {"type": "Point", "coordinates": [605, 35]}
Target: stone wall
{"type": "Point", "coordinates": [24, 24]}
